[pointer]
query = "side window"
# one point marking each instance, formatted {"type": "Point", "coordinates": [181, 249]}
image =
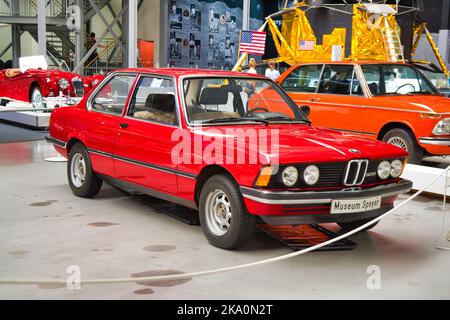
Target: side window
{"type": "Point", "coordinates": [113, 96]}
{"type": "Point", "coordinates": [373, 78]}
{"type": "Point", "coordinates": [303, 79]}
{"type": "Point", "coordinates": [336, 79]}
{"type": "Point", "coordinates": [154, 101]}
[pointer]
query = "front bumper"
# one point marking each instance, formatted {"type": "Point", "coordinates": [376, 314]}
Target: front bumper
{"type": "Point", "coordinates": [435, 141]}
{"type": "Point", "coordinates": [288, 207]}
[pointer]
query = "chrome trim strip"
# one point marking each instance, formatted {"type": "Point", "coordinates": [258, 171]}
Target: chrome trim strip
{"type": "Point", "coordinates": [435, 141]}
{"type": "Point", "coordinates": [144, 164]}
{"type": "Point", "coordinates": [323, 197]}
{"type": "Point", "coordinates": [55, 141]}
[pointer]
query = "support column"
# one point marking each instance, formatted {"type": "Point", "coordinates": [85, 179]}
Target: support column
{"type": "Point", "coordinates": [246, 15]}
{"type": "Point", "coordinates": [80, 39]}
{"type": "Point", "coordinates": [42, 27]}
{"type": "Point", "coordinates": [15, 35]}
{"type": "Point", "coordinates": [132, 33]}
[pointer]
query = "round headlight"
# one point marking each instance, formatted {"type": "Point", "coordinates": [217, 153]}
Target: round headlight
{"type": "Point", "coordinates": [311, 175]}
{"type": "Point", "coordinates": [384, 170]}
{"type": "Point", "coordinates": [396, 168]}
{"type": "Point", "coordinates": [63, 83]}
{"type": "Point", "coordinates": [289, 176]}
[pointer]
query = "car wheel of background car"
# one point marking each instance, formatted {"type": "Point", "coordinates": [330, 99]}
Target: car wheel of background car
{"type": "Point", "coordinates": [347, 226]}
{"type": "Point", "coordinates": [36, 97]}
{"type": "Point", "coordinates": [83, 181]}
{"type": "Point", "coordinates": [223, 216]}
{"type": "Point", "coordinates": [405, 140]}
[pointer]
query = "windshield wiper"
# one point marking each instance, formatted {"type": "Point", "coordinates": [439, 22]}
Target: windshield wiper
{"type": "Point", "coordinates": [287, 119]}
{"type": "Point", "coordinates": [220, 120]}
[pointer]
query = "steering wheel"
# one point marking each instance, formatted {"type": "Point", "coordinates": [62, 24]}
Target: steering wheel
{"type": "Point", "coordinates": [406, 84]}
{"type": "Point", "coordinates": [250, 111]}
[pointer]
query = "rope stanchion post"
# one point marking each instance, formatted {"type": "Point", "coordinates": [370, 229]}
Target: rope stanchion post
{"type": "Point", "coordinates": [443, 242]}
{"type": "Point", "coordinates": [232, 268]}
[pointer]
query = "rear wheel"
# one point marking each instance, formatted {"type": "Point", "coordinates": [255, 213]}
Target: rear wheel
{"type": "Point", "coordinates": [83, 181]}
{"type": "Point", "coordinates": [223, 216]}
{"type": "Point", "coordinates": [404, 139]}
{"type": "Point", "coordinates": [348, 226]}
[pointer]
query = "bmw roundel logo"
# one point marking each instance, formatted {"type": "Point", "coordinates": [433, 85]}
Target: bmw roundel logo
{"type": "Point", "coordinates": [354, 151]}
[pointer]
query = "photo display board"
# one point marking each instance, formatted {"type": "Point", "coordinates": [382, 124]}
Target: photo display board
{"type": "Point", "coordinates": [204, 34]}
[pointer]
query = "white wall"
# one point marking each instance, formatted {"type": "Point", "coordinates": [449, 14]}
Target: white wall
{"type": "Point", "coordinates": [28, 44]}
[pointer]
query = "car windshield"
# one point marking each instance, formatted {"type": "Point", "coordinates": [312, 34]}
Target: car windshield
{"type": "Point", "coordinates": [216, 100]}
{"type": "Point", "coordinates": [391, 79]}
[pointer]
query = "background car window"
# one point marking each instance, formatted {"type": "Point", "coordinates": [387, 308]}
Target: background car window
{"type": "Point", "coordinates": [396, 79]}
{"type": "Point", "coordinates": [336, 79]}
{"type": "Point", "coordinates": [154, 100]}
{"type": "Point", "coordinates": [303, 79]}
{"type": "Point", "coordinates": [113, 96]}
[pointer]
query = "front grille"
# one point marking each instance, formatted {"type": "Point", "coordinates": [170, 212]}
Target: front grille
{"type": "Point", "coordinates": [78, 87]}
{"type": "Point", "coordinates": [355, 172]}
{"type": "Point", "coordinates": [335, 174]}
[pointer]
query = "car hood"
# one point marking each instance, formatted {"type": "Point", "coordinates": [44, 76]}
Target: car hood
{"type": "Point", "coordinates": [301, 143]}
{"type": "Point", "coordinates": [53, 73]}
{"type": "Point", "coordinates": [421, 103]}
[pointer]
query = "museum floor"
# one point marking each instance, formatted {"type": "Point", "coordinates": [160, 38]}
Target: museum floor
{"type": "Point", "coordinates": [44, 229]}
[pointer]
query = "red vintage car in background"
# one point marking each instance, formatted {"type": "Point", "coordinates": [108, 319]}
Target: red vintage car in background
{"type": "Point", "coordinates": [129, 130]}
{"type": "Point", "coordinates": [35, 84]}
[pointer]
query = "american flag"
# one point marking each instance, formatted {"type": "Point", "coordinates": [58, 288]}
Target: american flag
{"type": "Point", "coordinates": [306, 45]}
{"type": "Point", "coordinates": [252, 42]}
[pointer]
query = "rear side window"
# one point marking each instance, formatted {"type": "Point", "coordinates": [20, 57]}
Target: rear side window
{"type": "Point", "coordinates": [303, 79]}
{"type": "Point", "coordinates": [154, 101]}
{"type": "Point", "coordinates": [112, 97]}
{"type": "Point", "coordinates": [339, 79]}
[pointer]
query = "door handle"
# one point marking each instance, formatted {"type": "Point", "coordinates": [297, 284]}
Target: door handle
{"type": "Point", "coordinates": [124, 125]}
{"type": "Point", "coordinates": [314, 99]}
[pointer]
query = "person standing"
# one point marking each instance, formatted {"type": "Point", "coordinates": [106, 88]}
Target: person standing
{"type": "Point", "coordinates": [271, 72]}
{"type": "Point", "coordinates": [252, 66]}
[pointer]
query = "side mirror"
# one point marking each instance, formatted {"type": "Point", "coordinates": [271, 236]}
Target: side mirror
{"type": "Point", "coordinates": [306, 110]}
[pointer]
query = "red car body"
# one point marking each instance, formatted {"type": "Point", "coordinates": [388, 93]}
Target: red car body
{"type": "Point", "coordinates": [20, 86]}
{"type": "Point", "coordinates": [137, 154]}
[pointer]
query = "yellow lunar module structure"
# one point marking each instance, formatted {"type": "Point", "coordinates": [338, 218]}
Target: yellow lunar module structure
{"type": "Point", "coordinates": [375, 35]}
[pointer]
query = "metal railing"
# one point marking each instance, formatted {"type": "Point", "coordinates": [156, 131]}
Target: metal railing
{"type": "Point", "coordinates": [28, 8]}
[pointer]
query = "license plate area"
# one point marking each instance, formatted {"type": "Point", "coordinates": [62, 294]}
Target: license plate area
{"type": "Point", "coordinates": [341, 206]}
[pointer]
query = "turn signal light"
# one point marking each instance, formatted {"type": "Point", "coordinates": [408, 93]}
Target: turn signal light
{"type": "Point", "coordinates": [264, 177]}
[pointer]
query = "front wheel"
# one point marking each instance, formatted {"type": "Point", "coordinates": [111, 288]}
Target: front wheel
{"type": "Point", "coordinates": [83, 181]}
{"type": "Point", "coordinates": [404, 139]}
{"type": "Point", "coordinates": [348, 226]}
{"type": "Point", "coordinates": [223, 216]}
{"type": "Point", "coordinates": [36, 98]}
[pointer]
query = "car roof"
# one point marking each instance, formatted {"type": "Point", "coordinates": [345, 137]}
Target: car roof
{"type": "Point", "coordinates": [356, 62]}
{"type": "Point", "coordinates": [179, 72]}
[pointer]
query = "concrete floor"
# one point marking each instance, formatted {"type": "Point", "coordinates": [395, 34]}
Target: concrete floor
{"type": "Point", "coordinates": [44, 229]}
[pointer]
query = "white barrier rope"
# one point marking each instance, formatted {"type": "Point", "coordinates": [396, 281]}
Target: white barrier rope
{"type": "Point", "coordinates": [226, 269]}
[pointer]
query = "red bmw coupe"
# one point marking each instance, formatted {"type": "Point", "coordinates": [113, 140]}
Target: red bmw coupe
{"type": "Point", "coordinates": [232, 145]}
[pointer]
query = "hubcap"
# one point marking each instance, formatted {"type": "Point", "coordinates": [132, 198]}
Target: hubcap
{"type": "Point", "coordinates": [78, 170]}
{"type": "Point", "coordinates": [398, 142]}
{"type": "Point", "coordinates": [36, 98]}
{"type": "Point", "coordinates": [218, 212]}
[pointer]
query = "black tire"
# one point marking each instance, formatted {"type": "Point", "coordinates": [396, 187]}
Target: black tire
{"type": "Point", "coordinates": [242, 223]}
{"type": "Point", "coordinates": [410, 144]}
{"type": "Point", "coordinates": [348, 226]}
{"type": "Point", "coordinates": [91, 184]}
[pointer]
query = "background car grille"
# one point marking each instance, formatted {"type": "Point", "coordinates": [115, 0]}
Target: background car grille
{"type": "Point", "coordinates": [332, 174]}
{"type": "Point", "coordinates": [78, 87]}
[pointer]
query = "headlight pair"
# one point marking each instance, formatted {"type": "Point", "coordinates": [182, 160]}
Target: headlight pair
{"type": "Point", "coordinates": [311, 175]}
{"type": "Point", "coordinates": [387, 169]}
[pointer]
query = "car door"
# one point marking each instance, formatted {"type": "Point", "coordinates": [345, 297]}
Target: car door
{"type": "Point", "coordinates": [302, 82]}
{"type": "Point", "coordinates": [106, 107]}
{"type": "Point", "coordinates": [144, 141]}
{"type": "Point", "coordinates": [340, 100]}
